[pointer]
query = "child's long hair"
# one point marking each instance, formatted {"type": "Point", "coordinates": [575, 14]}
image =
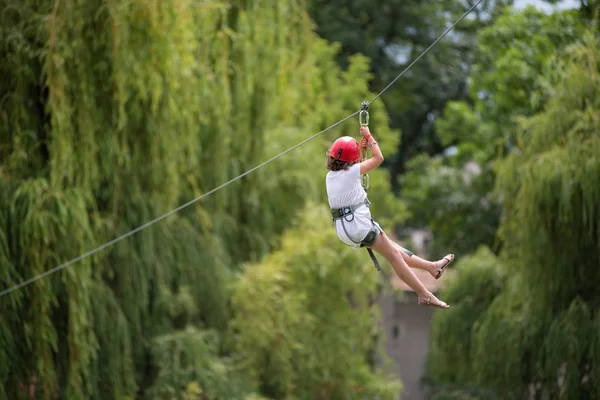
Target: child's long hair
{"type": "Point", "coordinates": [338, 165]}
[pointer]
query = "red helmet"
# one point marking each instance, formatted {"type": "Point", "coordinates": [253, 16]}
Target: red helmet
{"type": "Point", "coordinates": [345, 149]}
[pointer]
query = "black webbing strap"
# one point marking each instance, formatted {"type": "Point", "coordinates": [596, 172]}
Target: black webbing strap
{"type": "Point", "coordinates": [374, 259]}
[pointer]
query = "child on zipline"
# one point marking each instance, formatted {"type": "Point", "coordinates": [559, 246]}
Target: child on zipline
{"type": "Point", "coordinates": [352, 217]}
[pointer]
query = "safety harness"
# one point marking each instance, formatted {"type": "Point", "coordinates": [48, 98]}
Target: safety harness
{"type": "Point", "coordinates": [348, 212]}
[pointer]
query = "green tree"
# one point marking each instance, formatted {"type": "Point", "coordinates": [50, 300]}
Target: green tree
{"type": "Point", "coordinates": [452, 194]}
{"type": "Point", "coordinates": [392, 33]}
{"type": "Point", "coordinates": [481, 277]}
{"type": "Point", "coordinates": [305, 317]}
{"type": "Point", "coordinates": [113, 113]}
{"type": "Point", "coordinates": [189, 368]}
{"type": "Point", "coordinates": [541, 332]}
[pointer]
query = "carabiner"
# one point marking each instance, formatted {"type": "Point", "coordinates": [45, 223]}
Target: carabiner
{"type": "Point", "coordinates": [360, 118]}
{"type": "Point", "coordinates": [365, 182]}
{"type": "Point", "coordinates": [365, 177]}
{"type": "Point", "coordinates": [363, 110]}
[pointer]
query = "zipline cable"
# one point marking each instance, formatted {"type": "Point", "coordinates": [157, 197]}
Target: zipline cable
{"type": "Point", "coordinates": [427, 49]}
{"type": "Point", "coordinates": [181, 207]}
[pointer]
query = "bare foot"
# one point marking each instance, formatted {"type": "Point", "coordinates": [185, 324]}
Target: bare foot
{"type": "Point", "coordinates": [428, 299]}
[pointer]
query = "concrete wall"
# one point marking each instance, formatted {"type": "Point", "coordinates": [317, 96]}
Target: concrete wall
{"type": "Point", "coordinates": [406, 327]}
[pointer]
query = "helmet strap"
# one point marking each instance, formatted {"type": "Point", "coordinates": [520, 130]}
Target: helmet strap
{"type": "Point", "coordinates": [339, 153]}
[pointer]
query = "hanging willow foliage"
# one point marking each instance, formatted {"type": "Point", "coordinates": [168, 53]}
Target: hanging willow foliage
{"type": "Point", "coordinates": [114, 112]}
{"type": "Point", "coordinates": [556, 206]}
{"type": "Point", "coordinates": [450, 360]}
{"type": "Point", "coordinates": [540, 335]}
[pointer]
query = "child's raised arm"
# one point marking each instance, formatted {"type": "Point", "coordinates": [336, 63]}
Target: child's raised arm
{"type": "Point", "coordinates": [377, 156]}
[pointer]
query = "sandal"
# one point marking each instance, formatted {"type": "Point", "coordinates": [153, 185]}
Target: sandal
{"type": "Point", "coordinates": [426, 301]}
{"type": "Point", "coordinates": [449, 258]}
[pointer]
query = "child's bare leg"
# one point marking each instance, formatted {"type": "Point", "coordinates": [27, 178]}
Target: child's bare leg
{"type": "Point", "coordinates": [384, 246]}
{"type": "Point", "coordinates": [414, 261]}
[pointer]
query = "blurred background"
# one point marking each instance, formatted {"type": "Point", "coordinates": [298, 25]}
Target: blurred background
{"type": "Point", "coordinates": [114, 112]}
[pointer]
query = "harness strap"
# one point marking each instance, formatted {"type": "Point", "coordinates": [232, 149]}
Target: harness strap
{"type": "Point", "coordinates": [342, 213]}
{"type": "Point", "coordinates": [374, 259]}
{"type": "Point", "coordinates": [348, 210]}
{"type": "Point", "coordinates": [346, 232]}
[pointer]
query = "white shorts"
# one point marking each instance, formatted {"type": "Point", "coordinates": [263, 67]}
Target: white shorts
{"type": "Point", "coordinates": [357, 226]}
{"type": "Point", "coordinates": [357, 232]}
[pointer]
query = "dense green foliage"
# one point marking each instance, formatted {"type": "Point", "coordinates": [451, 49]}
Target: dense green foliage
{"type": "Point", "coordinates": [452, 193]}
{"type": "Point", "coordinates": [392, 33]}
{"type": "Point", "coordinates": [305, 327]}
{"type": "Point", "coordinates": [113, 113]}
{"type": "Point", "coordinates": [533, 328]}
{"type": "Point", "coordinates": [451, 359]}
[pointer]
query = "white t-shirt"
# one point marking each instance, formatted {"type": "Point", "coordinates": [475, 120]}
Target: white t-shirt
{"type": "Point", "coordinates": [344, 189]}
